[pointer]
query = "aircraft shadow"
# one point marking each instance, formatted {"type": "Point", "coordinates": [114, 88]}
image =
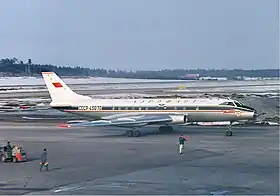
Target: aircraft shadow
{"type": "Point", "coordinates": [122, 135]}
{"type": "Point", "coordinates": [24, 189]}
{"type": "Point", "coordinates": [196, 131]}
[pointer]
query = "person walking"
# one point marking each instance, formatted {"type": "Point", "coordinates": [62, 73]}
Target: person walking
{"type": "Point", "coordinates": [44, 160]}
{"type": "Point", "coordinates": [9, 150]}
{"type": "Point", "coordinates": [182, 140]}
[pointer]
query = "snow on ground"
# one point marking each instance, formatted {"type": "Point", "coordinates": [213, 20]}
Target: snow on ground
{"type": "Point", "coordinates": [233, 89]}
{"type": "Point", "coordinates": [204, 89]}
{"type": "Point", "coordinates": [260, 86]}
{"type": "Point", "coordinates": [9, 81]}
{"type": "Point", "coordinates": [38, 81]}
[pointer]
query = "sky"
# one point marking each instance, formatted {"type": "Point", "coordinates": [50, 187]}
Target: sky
{"type": "Point", "coordinates": [142, 34]}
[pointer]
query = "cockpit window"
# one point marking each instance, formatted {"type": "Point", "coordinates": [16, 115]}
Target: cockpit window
{"type": "Point", "coordinates": [241, 103]}
{"type": "Point", "coordinates": [238, 104]}
{"type": "Point", "coordinates": [228, 103]}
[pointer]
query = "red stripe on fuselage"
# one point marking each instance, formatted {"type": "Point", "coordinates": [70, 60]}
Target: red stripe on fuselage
{"type": "Point", "coordinates": [228, 111]}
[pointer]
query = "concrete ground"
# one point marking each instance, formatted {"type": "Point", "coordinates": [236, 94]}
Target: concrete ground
{"type": "Point", "coordinates": [102, 161]}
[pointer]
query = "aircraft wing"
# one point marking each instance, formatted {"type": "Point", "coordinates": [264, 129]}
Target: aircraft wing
{"type": "Point", "coordinates": [136, 121]}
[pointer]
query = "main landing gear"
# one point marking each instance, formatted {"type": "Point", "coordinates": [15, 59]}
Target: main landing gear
{"type": "Point", "coordinates": [229, 131]}
{"type": "Point", "coordinates": [136, 133]}
{"type": "Point", "coordinates": [166, 129]}
{"type": "Point", "coordinates": [133, 133]}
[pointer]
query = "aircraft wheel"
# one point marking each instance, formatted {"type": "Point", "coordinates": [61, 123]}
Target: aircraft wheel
{"type": "Point", "coordinates": [129, 133]}
{"type": "Point", "coordinates": [136, 133]}
{"type": "Point", "coordinates": [229, 133]}
{"type": "Point", "coordinates": [170, 129]}
{"type": "Point", "coordinates": [166, 129]}
{"type": "Point", "coordinates": [161, 129]}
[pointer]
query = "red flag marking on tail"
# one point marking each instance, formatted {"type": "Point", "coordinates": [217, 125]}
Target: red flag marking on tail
{"type": "Point", "coordinates": [57, 84]}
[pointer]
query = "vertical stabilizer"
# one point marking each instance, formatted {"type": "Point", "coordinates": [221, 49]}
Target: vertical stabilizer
{"type": "Point", "coordinates": [59, 91]}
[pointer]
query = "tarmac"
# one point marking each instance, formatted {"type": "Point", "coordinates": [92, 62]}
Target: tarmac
{"type": "Point", "coordinates": [103, 161]}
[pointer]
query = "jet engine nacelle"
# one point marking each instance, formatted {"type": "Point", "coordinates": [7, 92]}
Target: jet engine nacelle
{"type": "Point", "coordinates": [178, 119]}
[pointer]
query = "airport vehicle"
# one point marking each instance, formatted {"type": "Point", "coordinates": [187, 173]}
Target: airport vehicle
{"type": "Point", "coordinates": [136, 113]}
{"type": "Point", "coordinates": [18, 154]}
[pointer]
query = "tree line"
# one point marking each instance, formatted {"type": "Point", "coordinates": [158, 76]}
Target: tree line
{"type": "Point", "coordinates": [15, 67]}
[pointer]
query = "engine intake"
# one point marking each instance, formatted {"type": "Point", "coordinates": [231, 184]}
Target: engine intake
{"type": "Point", "coordinates": [178, 119]}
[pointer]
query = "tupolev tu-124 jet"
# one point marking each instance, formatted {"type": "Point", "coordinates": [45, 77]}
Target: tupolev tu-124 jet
{"type": "Point", "coordinates": [136, 113]}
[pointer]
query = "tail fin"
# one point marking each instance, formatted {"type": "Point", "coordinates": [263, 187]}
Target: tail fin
{"type": "Point", "coordinates": [59, 91]}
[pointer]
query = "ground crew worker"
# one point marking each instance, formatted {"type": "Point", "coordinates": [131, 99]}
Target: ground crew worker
{"type": "Point", "coordinates": [44, 160]}
{"type": "Point", "coordinates": [9, 149]}
{"type": "Point", "coordinates": [182, 140]}
{"type": "Point", "coordinates": [17, 153]}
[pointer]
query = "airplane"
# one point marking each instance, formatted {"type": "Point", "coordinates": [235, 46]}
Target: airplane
{"type": "Point", "coordinates": [133, 114]}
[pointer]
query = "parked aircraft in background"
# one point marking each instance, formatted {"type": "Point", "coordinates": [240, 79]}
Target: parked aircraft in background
{"type": "Point", "coordinates": [136, 113]}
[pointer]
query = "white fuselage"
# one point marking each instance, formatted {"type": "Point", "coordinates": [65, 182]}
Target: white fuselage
{"type": "Point", "coordinates": [197, 110]}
